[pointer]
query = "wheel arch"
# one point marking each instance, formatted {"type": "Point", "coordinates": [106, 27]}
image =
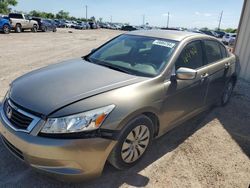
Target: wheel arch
{"type": "Point", "coordinates": [151, 113]}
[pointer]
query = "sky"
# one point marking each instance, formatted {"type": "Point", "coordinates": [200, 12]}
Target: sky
{"type": "Point", "coordinates": [183, 13]}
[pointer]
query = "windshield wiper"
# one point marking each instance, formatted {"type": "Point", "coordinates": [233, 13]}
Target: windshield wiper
{"type": "Point", "coordinates": [113, 67]}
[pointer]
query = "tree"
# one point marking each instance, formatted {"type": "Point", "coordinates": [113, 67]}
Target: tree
{"type": "Point", "coordinates": [35, 13]}
{"type": "Point", "coordinates": [92, 18]}
{"type": "Point", "coordinates": [4, 5]}
{"type": "Point", "coordinates": [230, 30]}
{"type": "Point", "coordinates": [62, 15]}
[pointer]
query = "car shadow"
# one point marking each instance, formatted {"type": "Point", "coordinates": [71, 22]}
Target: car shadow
{"type": "Point", "coordinates": [234, 118]}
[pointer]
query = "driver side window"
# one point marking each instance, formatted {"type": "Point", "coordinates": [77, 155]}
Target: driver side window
{"type": "Point", "coordinates": [191, 56]}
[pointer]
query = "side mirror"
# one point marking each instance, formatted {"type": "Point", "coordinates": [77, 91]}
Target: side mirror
{"type": "Point", "coordinates": [186, 73]}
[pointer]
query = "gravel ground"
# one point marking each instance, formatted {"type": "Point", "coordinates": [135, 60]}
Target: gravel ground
{"type": "Point", "coordinates": [211, 150]}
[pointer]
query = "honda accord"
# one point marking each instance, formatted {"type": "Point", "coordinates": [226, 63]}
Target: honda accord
{"type": "Point", "coordinates": [70, 118]}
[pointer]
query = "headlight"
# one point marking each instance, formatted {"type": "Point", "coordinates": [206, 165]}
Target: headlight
{"type": "Point", "coordinates": [85, 121]}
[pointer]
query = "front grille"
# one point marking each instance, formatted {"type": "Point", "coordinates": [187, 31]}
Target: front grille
{"type": "Point", "coordinates": [12, 148]}
{"type": "Point", "coordinates": [17, 119]}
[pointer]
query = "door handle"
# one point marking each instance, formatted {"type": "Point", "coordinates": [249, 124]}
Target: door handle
{"type": "Point", "coordinates": [204, 76]}
{"type": "Point", "coordinates": [227, 65]}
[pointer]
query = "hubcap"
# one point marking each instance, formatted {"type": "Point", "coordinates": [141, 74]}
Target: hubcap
{"type": "Point", "coordinates": [6, 29]}
{"type": "Point", "coordinates": [135, 144]}
{"type": "Point", "coordinates": [228, 92]}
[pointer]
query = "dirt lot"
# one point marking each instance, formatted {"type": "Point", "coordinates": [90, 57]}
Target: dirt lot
{"type": "Point", "coordinates": [211, 150]}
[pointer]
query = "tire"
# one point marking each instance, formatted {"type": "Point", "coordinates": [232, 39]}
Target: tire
{"type": "Point", "coordinates": [6, 29]}
{"type": "Point", "coordinates": [45, 29]}
{"type": "Point", "coordinates": [227, 93]}
{"type": "Point", "coordinates": [133, 143]}
{"type": "Point", "coordinates": [34, 29]}
{"type": "Point", "coordinates": [18, 28]}
{"type": "Point", "coordinates": [54, 30]}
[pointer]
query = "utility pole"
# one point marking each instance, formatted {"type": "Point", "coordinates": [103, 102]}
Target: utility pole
{"type": "Point", "coordinates": [111, 19]}
{"type": "Point", "coordinates": [143, 19]}
{"type": "Point", "coordinates": [168, 20]}
{"type": "Point", "coordinates": [220, 20]}
{"type": "Point", "coordinates": [86, 11]}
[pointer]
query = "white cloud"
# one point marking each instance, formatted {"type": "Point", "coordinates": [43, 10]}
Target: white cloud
{"type": "Point", "coordinates": [207, 14]}
{"type": "Point", "coordinates": [203, 14]}
{"type": "Point", "coordinates": [166, 14]}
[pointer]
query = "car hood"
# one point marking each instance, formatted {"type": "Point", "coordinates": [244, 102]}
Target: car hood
{"type": "Point", "coordinates": [45, 90]}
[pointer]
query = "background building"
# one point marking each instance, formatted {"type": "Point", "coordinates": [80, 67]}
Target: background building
{"type": "Point", "coordinates": [242, 48]}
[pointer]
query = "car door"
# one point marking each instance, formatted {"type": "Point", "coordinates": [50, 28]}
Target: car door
{"type": "Point", "coordinates": [185, 97]}
{"type": "Point", "coordinates": [26, 22]}
{"type": "Point", "coordinates": [218, 64]}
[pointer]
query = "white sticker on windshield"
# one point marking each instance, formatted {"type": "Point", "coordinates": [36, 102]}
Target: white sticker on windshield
{"type": "Point", "coordinates": [164, 43]}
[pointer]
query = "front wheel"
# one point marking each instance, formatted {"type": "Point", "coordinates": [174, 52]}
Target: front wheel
{"type": "Point", "coordinates": [133, 143]}
{"type": "Point", "coordinates": [6, 29]}
{"type": "Point", "coordinates": [227, 93]}
{"type": "Point", "coordinates": [34, 29]}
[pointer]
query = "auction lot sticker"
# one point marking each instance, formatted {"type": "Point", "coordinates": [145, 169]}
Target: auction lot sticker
{"type": "Point", "coordinates": [164, 43]}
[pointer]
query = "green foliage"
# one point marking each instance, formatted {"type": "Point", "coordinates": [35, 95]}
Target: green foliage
{"type": "Point", "coordinates": [4, 6]}
{"type": "Point", "coordinates": [62, 15]}
{"type": "Point", "coordinates": [41, 14]}
{"type": "Point", "coordinates": [230, 30]}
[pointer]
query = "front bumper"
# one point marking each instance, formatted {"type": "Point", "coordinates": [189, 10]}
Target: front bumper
{"type": "Point", "coordinates": [67, 159]}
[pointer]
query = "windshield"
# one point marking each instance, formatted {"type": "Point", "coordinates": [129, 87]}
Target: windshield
{"type": "Point", "coordinates": [138, 55]}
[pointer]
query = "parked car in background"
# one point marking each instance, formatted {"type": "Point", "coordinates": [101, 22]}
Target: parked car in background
{"type": "Point", "coordinates": [21, 22]}
{"type": "Point", "coordinates": [151, 81]}
{"type": "Point", "coordinates": [93, 25]}
{"type": "Point", "coordinates": [220, 33]}
{"type": "Point", "coordinates": [210, 33]}
{"type": "Point", "coordinates": [231, 42]}
{"type": "Point", "coordinates": [228, 36]}
{"type": "Point", "coordinates": [128, 28]}
{"type": "Point", "coordinates": [68, 24]}
{"type": "Point", "coordinates": [81, 25]}
{"type": "Point", "coordinates": [60, 23]}
{"type": "Point", "coordinates": [45, 24]}
{"type": "Point", "coordinates": [5, 25]}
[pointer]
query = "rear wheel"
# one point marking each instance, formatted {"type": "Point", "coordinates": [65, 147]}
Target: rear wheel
{"type": "Point", "coordinates": [133, 143]}
{"type": "Point", "coordinates": [6, 29]}
{"type": "Point", "coordinates": [45, 29]}
{"type": "Point", "coordinates": [227, 93]}
{"type": "Point", "coordinates": [18, 28]}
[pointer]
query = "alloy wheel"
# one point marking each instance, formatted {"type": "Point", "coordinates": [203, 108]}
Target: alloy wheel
{"type": "Point", "coordinates": [135, 144]}
{"type": "Point", "coordinates": [6, 29]}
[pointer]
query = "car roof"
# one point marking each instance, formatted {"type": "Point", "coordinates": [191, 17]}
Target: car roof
{"type": "Point", "coordinates": [166, 34]}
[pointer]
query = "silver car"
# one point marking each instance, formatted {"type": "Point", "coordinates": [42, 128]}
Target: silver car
{"type": "Point", "coordinates": [68, 119]}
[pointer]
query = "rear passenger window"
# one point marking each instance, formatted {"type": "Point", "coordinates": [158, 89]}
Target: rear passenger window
{"type": "Point", "coordinates": [224, 52]}
{"type": "Point", "coordinates": [213, 51]}
{"type": "Point", "coordinates": [191, 56]}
